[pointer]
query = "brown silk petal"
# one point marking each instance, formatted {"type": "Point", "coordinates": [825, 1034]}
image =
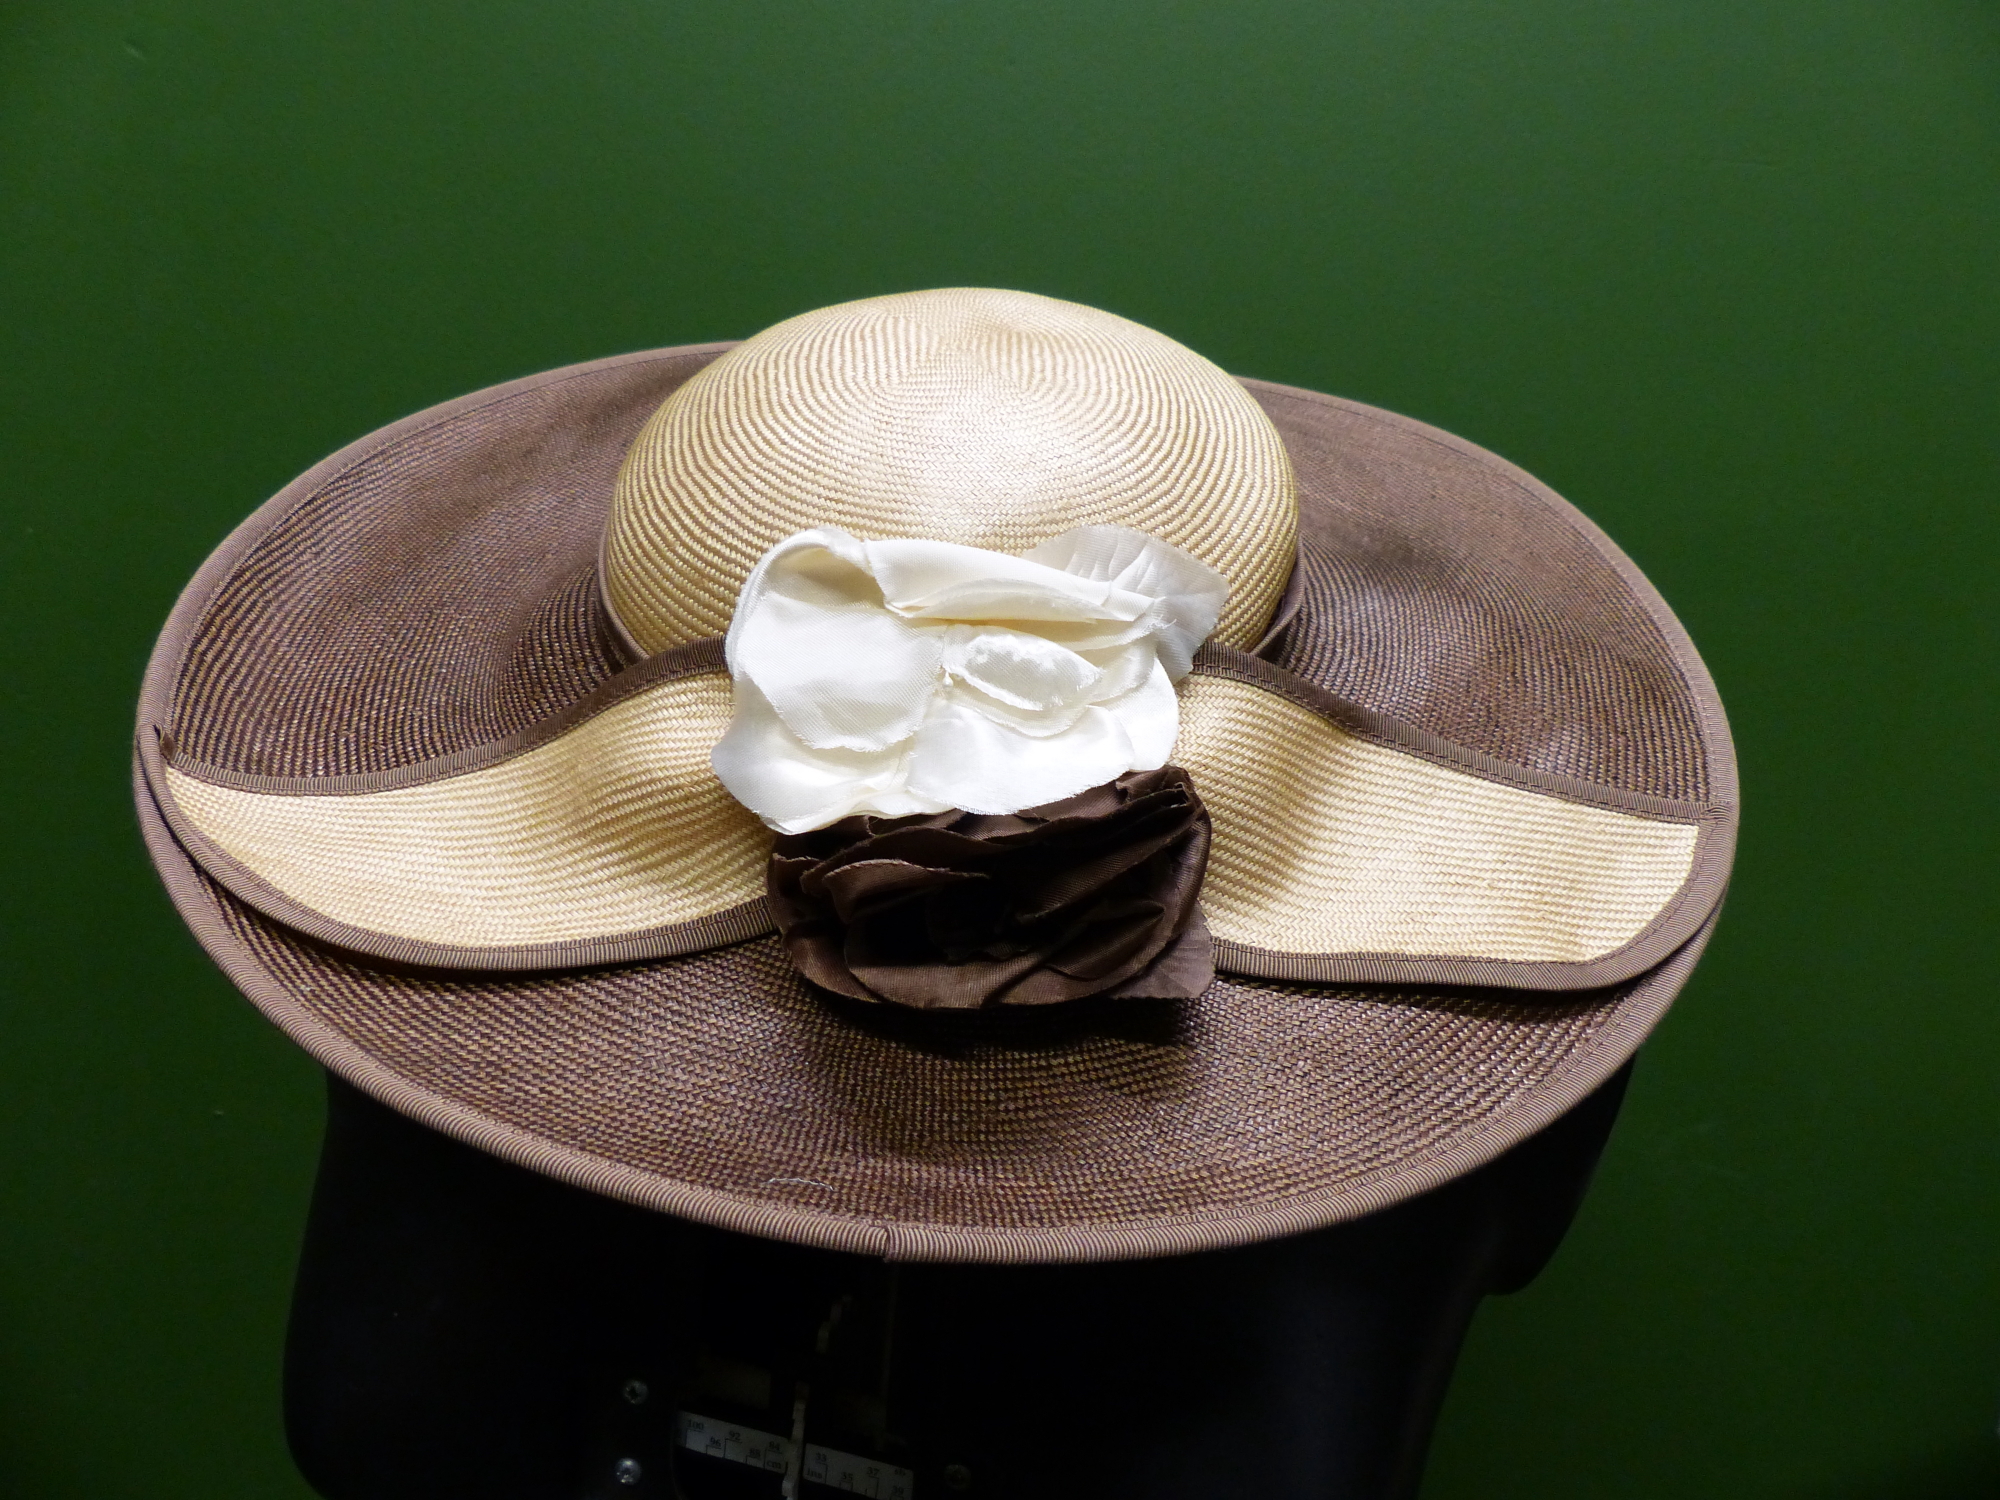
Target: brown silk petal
{"type": "Point", "coordinates": [877, 884]}
{"type": "Point", "coordinates": [1092, 895]}
{"type": "Point", "coordinates": [1186, 967]}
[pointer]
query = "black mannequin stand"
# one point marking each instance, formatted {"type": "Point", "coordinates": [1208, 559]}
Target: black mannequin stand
{"type": "Point", "coordinates": [465, 1328]}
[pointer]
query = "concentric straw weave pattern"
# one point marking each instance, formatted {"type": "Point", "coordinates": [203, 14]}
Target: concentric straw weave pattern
{"type": "Point", "coordinates": [1429, 568]}
{"type": "Point", "coordinates": [451, 566]}
{"type": "Point", "coordinates": [1326, 843]}
{"type": "Point", "coordinates": [995, 419]}
{"type": "Point", "coordinates": [721, 1069]}
{"type": "Point", "coordinates": [617, 826]}
{"type": "Point", "coordinates": [1455, 593]}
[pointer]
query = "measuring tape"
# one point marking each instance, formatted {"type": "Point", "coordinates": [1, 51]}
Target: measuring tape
{"type": "Point", "coordinates": [847, 1472]}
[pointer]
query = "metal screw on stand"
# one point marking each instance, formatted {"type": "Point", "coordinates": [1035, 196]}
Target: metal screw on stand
{"type": "Point", "coordinates": [635, 1391]}
{"type": "Point", "coordinates": [957, 1477]}
{"type": "Point", "coordinates": [628, 1471]}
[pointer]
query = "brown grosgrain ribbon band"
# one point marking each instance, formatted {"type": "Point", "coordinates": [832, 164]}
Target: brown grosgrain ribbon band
{"type": "Point", "coordinates": [1092, 895]}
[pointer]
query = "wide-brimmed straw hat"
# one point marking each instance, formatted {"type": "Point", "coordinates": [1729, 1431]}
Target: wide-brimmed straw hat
{"type": "Point", "coordinates": [425, 761]}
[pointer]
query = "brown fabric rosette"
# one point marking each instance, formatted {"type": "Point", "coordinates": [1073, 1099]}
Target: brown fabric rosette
{"type": "Point", "coordinates": [1092, 895]}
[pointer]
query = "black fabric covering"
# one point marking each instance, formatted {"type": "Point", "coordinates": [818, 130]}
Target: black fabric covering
{"type": "Point", "coordinates": [462, 1327]}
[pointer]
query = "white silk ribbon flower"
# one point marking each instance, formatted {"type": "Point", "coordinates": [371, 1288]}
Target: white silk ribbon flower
{"type": "Point", "coordinates": [909, 676]}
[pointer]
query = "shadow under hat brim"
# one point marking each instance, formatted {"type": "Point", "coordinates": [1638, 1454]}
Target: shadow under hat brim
{"type": "Point", "coordinates": [1456, 595]}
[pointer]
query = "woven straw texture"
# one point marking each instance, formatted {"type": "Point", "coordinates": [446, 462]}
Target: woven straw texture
{"type": "Point", "coordinates": [1442, 588]}
{"type": "Point", "coordinates": [1324, 842]}
{"type": "Point", "coordinates": [718, 1087]}
{"type": "Point", "coordinates": [1059, 1123]}
{"type": "Point", "coordinates": [1456, 593]}
{"type": "Point", "coordinates": [996, 419]}
{"type": "Point", "coordinates": [432, 590]}
{"type": "Point", "coordinates": [615, 827]}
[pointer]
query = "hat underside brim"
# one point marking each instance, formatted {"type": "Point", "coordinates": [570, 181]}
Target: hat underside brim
{"type": "Point", "coordinates": [1483, 746]}
{"type": "Point", "coordinates": [1345, 846]}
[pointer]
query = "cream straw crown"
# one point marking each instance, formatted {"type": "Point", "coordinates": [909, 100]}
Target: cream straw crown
{"type": "Point", "coordinates": [989, 418]}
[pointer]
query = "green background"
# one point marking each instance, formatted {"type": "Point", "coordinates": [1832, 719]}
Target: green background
{"type": "Point", "coordinates": [1722, 271]}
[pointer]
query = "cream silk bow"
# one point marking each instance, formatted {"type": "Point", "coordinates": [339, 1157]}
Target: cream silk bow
{"type": "Point", "coordinates": [911, 676]}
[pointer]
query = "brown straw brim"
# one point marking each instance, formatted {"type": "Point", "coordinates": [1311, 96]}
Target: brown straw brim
{"type": "Point", "coordinates": [718, 1088]}
{"type": "Point", "coordinates": [432, 590]}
